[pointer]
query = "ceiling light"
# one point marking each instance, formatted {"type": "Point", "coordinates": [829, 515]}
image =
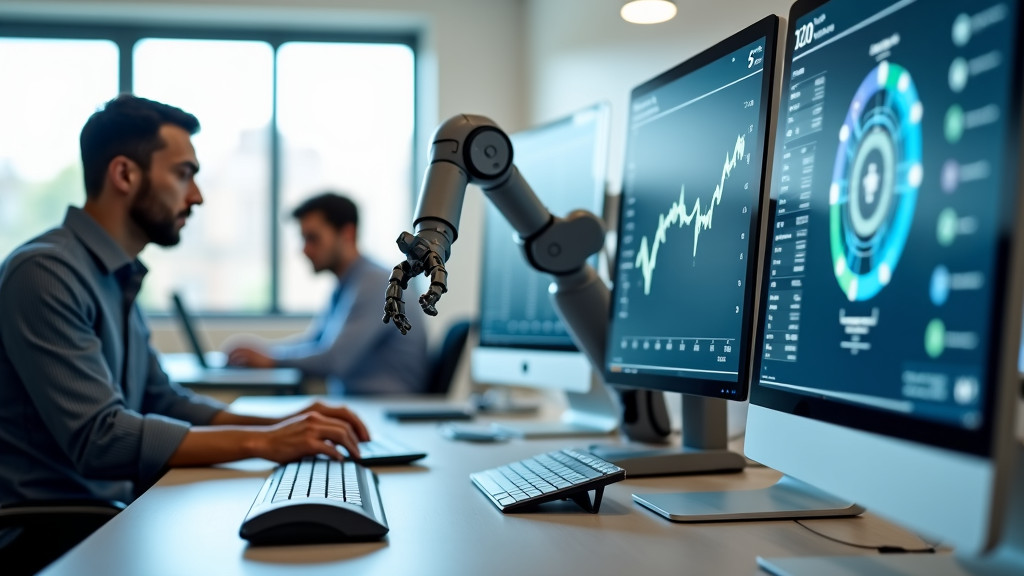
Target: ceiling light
{"type": "Point", "coordinates": [648, 11]}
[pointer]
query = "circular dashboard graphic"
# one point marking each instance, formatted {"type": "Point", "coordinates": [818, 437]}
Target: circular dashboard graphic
{"type": "Point", "coordinates": [875, 181]}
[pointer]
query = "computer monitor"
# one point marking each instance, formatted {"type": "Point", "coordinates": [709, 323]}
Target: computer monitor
{"type": "Point", "coordinates": [689, 243]}
{"type": "Point", "coordinates": [522, 340]}
{"type": "Point", "coordinates": [887, 357]}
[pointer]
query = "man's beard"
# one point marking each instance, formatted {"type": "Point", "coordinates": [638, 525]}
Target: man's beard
{"type": "Point", "coordinates": [149, 215]}
{"type": "Point", "coordinates": [317, 268]}
{"type": "Point", "coordinates": [330, 265]}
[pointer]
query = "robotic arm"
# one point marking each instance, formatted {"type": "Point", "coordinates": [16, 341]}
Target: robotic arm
{"type": "Point", "coordinates": [470, 149]}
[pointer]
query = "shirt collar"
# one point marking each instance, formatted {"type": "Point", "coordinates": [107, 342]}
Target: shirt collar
{"type": "Point", "coordinates": [351, 272]}
{"type": "Point", "coordinates": [96, 240]}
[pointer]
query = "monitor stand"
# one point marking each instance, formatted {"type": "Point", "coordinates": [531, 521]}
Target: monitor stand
{"type": "Point", "coordinates": [704, 450]}
{"type": "Point", "coordinates": [785, 500]}
{"type": "Point", "coordinates": [1007, 559]}
{"type": "Point", "coordinates": [591, 413]}
{"type": "Point", "coordinates": [704, 446]}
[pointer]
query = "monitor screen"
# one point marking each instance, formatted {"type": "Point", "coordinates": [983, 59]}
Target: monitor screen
{"type": "Point", "coordinates": [522, 339]}
{"type": "Point", "coordinates": [690, 221]}
{"type": "Point", "coordinates": [894, 183]}
{"type": "Point", "coordinates": [889, 327]}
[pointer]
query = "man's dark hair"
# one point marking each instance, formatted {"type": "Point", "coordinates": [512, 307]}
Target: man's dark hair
{"type": "Point", "coordinates": [337, 209]}
{"type": "Point", "coordinates": [126, 126]}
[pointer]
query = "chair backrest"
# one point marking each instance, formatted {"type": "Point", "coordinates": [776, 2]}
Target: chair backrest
{"type": "Point", "coordinates": [445, 358]}
{"type": "Point", "coordinates": [46, 529]}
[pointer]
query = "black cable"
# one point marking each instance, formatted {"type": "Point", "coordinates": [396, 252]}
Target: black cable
{"type": "Point", "coordinates": [884, 549]}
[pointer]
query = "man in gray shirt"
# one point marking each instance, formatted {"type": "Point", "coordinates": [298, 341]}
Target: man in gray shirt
{"type": "Point", "coordinates": [85, 409]}
{"type": "Point", "coordinates": [347, 344]}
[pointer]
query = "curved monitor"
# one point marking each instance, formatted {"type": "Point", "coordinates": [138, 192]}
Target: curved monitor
{"type": "Point", "coordinates": [886, 364]}
{"type": "Point", "coordinates": [523, 342]}
{"type": "Point", "coordinates": [690, 221]}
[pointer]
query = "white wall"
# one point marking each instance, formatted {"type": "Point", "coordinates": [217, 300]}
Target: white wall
{"type": "Point", "coordinates": [470, 60]}
{"type": "Point", "coordinates": [581, 51]}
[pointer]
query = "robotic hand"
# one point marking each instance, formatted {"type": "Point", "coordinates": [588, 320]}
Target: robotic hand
{"type": "Point", "coordinates": [470, 149]}
{"type": "Point", "coordinates": [421, 258]}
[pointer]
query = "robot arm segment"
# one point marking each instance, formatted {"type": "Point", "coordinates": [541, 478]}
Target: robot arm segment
{"type": "Point", "coordinates": [471, 149]}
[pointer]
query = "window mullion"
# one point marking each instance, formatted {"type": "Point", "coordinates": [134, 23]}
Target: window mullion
{"type": "Point", "coordinates": [275, 193]}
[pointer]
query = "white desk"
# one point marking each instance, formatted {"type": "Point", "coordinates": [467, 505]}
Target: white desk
{"type": "Point", "coordinates": [441, 524]}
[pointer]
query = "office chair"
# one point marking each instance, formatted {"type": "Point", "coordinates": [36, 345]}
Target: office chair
{"type": "Point", "coordinates": [445, 358]}
{"type": "Point", "coordinates": [47, 529]}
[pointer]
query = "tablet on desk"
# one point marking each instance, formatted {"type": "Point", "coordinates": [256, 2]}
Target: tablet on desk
{"type": "Point", "coordinates": [426, 414]}
{"type": "Point", "coordinates": [473, 432]}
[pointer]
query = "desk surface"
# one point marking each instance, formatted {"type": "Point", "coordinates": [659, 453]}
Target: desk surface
{"type": "Point", "coordinates": [441, 524]}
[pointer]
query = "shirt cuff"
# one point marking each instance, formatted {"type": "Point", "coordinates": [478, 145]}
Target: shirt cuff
{"type": "Point", "coordinates": [161, 436]}
{"type": "Point", "coordinates": [201, 410]}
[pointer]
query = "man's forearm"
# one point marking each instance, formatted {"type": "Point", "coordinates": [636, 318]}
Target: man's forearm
{"type": "Point", "coordinates": [207, 445]}
{"type": "Point", "coordinates": [228, 418]}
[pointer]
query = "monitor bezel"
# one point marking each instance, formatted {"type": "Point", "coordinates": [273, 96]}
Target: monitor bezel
{"type": "Point", "coordinates": [980, 441]}
{"type": "Point", "coordinates": [768, 29]}
{"type": "Point", "coordinates": [601, 110]}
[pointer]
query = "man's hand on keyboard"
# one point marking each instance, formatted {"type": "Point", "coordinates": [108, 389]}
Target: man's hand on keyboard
{"type": "Point", "coordinates": [307, 434]}
{"type": "Point", "coordinates": [340, 413]}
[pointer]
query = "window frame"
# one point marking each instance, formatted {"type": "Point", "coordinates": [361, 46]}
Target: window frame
{"type": "Point", "coordinates": [125, 36]}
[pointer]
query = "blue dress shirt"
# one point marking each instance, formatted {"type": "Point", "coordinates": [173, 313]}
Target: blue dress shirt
{"type": "Point", "coordinates": [350, 346]}
{"type": "Point", "coordinates": [85, 409]}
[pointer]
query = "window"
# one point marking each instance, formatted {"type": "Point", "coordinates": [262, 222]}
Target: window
{"type": "Point", "coordinates": [223, 260]}
{"type": "Point", "coordinates": [282, 116]}
{"type": "Point", "coordinates": [345, 127]}
{"type": "Point", "coordinates": [41, 115]}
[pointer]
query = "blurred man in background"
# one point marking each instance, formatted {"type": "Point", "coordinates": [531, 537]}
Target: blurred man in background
{"type": "Point", "coordinates": [347, 344]}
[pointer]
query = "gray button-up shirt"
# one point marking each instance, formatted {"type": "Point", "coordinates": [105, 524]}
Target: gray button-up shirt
{"type": "Point", "coordinates": [85, 409]}
{"type": "Point", "coordinates": [349, 346]}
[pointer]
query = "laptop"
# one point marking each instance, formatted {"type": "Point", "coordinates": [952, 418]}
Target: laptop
{"type": "Point", "coordinates": [202, 367]}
